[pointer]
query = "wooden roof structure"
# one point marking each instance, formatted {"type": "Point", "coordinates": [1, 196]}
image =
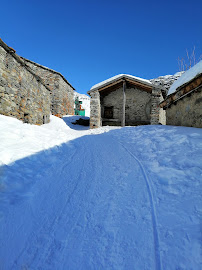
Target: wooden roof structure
{"type": "Point", "coordinates": [184, 90]}
{"type": "Point", "coordinates": [116, 82]}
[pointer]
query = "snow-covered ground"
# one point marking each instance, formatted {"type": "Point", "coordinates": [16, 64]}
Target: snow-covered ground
{"type": "Point", "coordinates": [125, 199]}
{"type": "Point", "coordinates": [19, 140]}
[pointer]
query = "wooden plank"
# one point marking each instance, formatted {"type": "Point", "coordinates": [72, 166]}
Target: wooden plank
{"type": "Point", "coordinates": [115, 84]}
{"type": "Point", "coordinates": [124, 105]}
{"type": "Point", "coordinates": [109, 85]}
{"type": "Point", "coordinates": [140, 85]}
{"type": "Point", "coordinates": [110, 89]}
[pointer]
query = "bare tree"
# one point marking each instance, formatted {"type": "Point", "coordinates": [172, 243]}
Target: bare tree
{"type": "Point", "coordinates": [189, 61]}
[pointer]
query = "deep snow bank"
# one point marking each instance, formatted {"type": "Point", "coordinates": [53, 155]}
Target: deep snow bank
{"type": "Point", "coordinates": [19, 140]}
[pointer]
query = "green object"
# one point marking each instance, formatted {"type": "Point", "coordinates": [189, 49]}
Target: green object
{"type": "Point", "coordinates": [78, 110]}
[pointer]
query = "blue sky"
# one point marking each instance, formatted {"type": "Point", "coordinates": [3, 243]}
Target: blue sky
{"type": "Point", "coordinates": [89, 41]}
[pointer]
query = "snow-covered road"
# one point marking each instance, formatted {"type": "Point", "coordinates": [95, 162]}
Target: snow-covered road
{"type": "Point", "coordinates": [126, 199]}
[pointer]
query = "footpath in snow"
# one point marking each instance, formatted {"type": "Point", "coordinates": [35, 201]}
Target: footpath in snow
{"type": "Point", "coordinates": [125, 199]}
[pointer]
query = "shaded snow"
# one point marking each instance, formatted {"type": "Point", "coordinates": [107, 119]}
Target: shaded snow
{"type": "Point", "coordinates": [128, 199]}
{"type": "Point", "coordinates": [19, 140]}
{"type": "Point", "coordinates": [114, 78]}
{"type": "Point", "coordinates": [186, 77]}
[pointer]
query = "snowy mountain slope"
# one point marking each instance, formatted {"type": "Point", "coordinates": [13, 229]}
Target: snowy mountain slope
{"type": "Point", "coordinates": [126, 199]}
{"type": "Point", "coordinates": [85, 102]}
{"type": "Point", "coordinates": [167, 80]}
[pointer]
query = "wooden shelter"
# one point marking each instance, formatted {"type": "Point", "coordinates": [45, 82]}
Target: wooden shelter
{"type": "Point", "coordinates": [124, 100]}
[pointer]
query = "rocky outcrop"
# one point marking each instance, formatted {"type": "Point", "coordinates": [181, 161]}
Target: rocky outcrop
{"type": "Point", "coordinates": [166, 81]}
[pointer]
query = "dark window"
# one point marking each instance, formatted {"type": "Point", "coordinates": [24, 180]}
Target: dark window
{"type": "Point", "coordinates": [108, 112]}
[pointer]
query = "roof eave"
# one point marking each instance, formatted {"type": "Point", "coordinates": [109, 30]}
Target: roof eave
{"type": "Point", "coordinates": [122, 77]}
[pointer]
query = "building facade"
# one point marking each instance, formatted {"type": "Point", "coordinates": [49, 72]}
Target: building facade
{"type": "Point", "coordinates": [61, 91]}
{"type": "Point", "coordinates": [29, 91]}
{"type": "Point", "coordinates": [125, 100]}
{"type": "Point", "coordinates": [183, 104]}
{"type": "Point", "coordinates": [22, 94]}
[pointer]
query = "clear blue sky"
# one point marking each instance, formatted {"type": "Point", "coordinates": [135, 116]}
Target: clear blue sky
{"type": "Point", "coordinates": [89, 41]}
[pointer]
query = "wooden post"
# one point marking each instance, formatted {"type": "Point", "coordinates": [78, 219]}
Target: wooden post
{"type": "Point", "coordinates": [124, 105]}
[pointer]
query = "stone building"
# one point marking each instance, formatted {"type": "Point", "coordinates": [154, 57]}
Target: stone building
{"type": "Point", "coordinates": [23, 95]}
{"type": "Point", "coordinates": [61, 91]}
{"type": "Point", "coordinates": [125, 100]}
{"type": "Point", "coordinates": [29, 91]}
{"type": "Point", "coordinates": [183, 104]}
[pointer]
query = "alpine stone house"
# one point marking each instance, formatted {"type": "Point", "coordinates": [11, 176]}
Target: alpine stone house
{"type": "Point", "coordinates": [183, 104]}
{"type": "Point", "coordinates": [126, 100]}
{"type": "Point", "coordinates": [29, 91]}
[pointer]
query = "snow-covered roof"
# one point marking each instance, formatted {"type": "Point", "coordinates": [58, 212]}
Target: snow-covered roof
{"type": "Point", "coordinates": [186, 77]}
{"type": "Point", "coordinates": [120, 76]}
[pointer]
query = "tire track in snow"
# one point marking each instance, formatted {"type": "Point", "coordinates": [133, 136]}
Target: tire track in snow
{"type": "Point", "coordinates": [79, 189]}
{"type": "Point", "coordinates": [153, 211]}
{"type": "Point", "coordinates": [46, 228]}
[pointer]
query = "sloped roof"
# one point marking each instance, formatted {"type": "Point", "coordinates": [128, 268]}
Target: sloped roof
{"type": "Point", "coordinates": [189, 75]}
{"type": "Point", "coordinates": [119, 77]}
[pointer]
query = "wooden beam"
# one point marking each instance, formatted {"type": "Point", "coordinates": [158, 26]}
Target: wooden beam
{"type": "Point", "coordinates": [145, 87]}
{"type": "Point", "coordinates": [109, 85]}
{"type": "Point", "coordinates": [124, 105]}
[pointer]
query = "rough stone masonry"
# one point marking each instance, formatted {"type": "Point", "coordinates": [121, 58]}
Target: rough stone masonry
{"type": "Point", "coordinates": [29, 91]}
{"type": "Point", "coordinates": [136, 103]}
{"type": "Point", "coordinates": [61, 91]}
{"type": "Point", "coordinates": [22, 94]}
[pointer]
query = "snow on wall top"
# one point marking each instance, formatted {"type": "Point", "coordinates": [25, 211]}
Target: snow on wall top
{"type": "Point", "coordinates": [119, 76]}
{"type": "Point", "coordinates": [186, 77]}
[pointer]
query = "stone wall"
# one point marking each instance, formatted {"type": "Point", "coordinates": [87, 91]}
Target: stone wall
{"type": "Point", "coordinates": [158, 115]}
{"type": "Point", "coordinates": [187, 111]}
{"type": "Point", "coordinates": [162, 112]}
{"type": "Point", "coordinates": [95, 110]}
{"type": "Point", "coordinates": [22, 95]}
{"type": "Point", "coordinates": [62, 93]}
{"type": "Point", "coordinates": [137, 109]}
{"type": "Point", "coordinates": [141, 107]}
{"type": "Point", "coordinates": [114, 99]}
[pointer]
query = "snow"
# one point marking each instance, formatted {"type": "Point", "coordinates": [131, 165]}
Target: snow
{"type": "Point", "coordinates": [129, 198]}
{"type": "Point", "coordinates": [19, 140]}
{"type": "Point", "coordinates": [167, 80]}
{"type": "Point", "coordinates": [114, 78]}
{"type": "Point", "coordinates": [186, 77]}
